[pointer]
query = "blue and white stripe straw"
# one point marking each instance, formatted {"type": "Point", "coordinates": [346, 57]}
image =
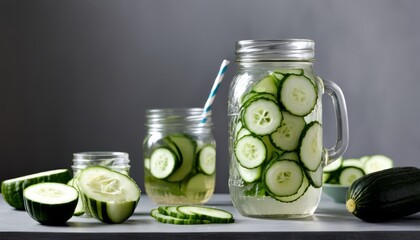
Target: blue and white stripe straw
{"type": "Point", "coordinates": [212, 95]}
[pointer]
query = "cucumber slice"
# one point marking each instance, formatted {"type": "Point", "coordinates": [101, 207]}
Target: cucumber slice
{"type": "Point", "coordinates": [283, 178]}
{"type": "Point", "coordinates": [108, 195]}
{"type": "Point", "coordinates": [174, 220]}
{"type": "Point", "coordinates": [334, 166]}
{"type": "Point", "coordinates": [172, 211]}
{"type": "Point", "coordinates": [242, 133]}
{"type": "Point", "coordinates": [350, 174]}
{"type": "Point", "coordinates": [199, 184]}
{"type": "Point", "coordinates": [147, 163]}
{"type": "Point", "coordinates": [250, 151]}
{"type": "Point", "coordinates": [278, 76]}
{"type": "Point", "coordinates": [187, 147]}
{"type": "Point", "coordinates": [315, 177]}
{"type": "Point", "coordinates": [79, 207]}
{"type": "Point", "coordinates": [298, 194]}
{"type": "Point", "coordinates": [163, 162]}
{"type": "Point", "coordinates": [213, 215]}
{"type": "Point", "coordinates": [286, 137]}
{"type": "Point", "coordinates": [377, 163]}
{"type": "Point", "coordinates": [352, 162]}
{"type": "Point", "coordinates": [266, 85]}
{"type": "Point", "coordinates": [311, 148]}
{"type": "Point", "coordinates": [207, 159]}
{"type": "Point", "coordinates": [12, 189]}
{"type": "Point", "coordinates": [298, 95]}
{"type": "Point", "coordinates": [50, 203]}
{"type": "Point", "coordinates": [286, 71]}
{"type": "Point", "coordinates": [289, 156]}
{"type": "Point", "coordinates": [262, 116]}
{"type": "Point", "coordinates": [252, 96]}
{"type": "Point", "coordinates": [249, 175]}
{"type": "Point", "coordinates": [272, 151]}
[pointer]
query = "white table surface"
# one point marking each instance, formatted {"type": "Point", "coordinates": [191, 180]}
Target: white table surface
{"type": "Point", "coordinates": [331, 221]}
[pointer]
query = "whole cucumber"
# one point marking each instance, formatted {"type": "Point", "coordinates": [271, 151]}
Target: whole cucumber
{"type": "Point", "coordinates": [385, 195]}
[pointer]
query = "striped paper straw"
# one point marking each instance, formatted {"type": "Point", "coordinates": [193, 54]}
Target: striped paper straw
{"type": "Point", "coordinates": [212, 95]}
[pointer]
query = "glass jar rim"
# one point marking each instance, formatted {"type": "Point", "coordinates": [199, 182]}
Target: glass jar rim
{"type": "Point", "coordinates": [177, 117]}
{"type": "Point", "coordinates": [292, 49]}
{"type": "Point", "coordinates": [98, 155]}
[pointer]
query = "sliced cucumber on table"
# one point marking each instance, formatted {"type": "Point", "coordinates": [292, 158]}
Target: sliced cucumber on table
{"type": "Point", "coordinates": [50, 203]}
{"type": "Point", "coordinates": [12, 189]}
{"type": "Point", "coordinates": [185, 214]}
{"type": "Point", "coordinates": [108, 195]}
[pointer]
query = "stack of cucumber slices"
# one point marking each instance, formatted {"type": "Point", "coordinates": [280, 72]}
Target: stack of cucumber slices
{"type": "Point", "coordinates": [277, 138]}
{"type": "Point", "coordinates": [185, 214]}
{"type": "Point", "coordinates": [179, 159]}
{"type": "Point", "coordinates": [345, 171]}
{"type": "Point", "coordinates": [53, 197]}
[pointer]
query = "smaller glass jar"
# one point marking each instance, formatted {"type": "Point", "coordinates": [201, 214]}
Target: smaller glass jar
{"type": "Point", "coordinates": [117, 161]}
{"type": "Point", "coordinates": [179, 156]}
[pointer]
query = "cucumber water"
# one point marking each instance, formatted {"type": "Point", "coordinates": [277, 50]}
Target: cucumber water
{"type": "Point", "coordinates": [277, 147]}
{"type": "Point", "coordinates": [180, 169]}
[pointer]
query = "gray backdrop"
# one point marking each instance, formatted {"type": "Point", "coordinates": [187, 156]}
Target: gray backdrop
{"type": "Point", "coordinates": [78, 75]}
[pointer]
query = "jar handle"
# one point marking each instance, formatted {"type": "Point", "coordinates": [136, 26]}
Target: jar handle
{"type": "Point", "coordinates": [339, 103]}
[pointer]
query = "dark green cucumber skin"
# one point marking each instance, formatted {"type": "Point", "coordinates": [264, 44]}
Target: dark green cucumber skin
{"type": "Point", "coordinates": [16, 198]}
{"type": "Point", "coordinates": [386, 195]}
{"type": "Point", "coordinates": [50, 214]}
{"type": "Point", "coordinates": [98, 210]}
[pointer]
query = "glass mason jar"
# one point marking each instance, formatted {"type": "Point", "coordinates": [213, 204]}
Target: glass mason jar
{"type": "Point", "coordinates": [275, 121]}
{"type": "Point", "coordinates": [117, 161]}
{"type": "Point", "coordinates": [179, 156]}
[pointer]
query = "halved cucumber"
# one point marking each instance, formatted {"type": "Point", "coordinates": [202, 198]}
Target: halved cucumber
{"type": "Point", "coordinates": [377, 163]}
{"type": "Point", "coordinates": [298, 95]}
{"type": "Point", "coordinates": [12, 189]}
{"type": "Point", "coordinates": [163, 162]}
{"type": "Point", "coordinates": [207, 159]}
{"type": "Point", "coordinates": [311, 148]}
{"type": "Point", "coordinates": [283, 178]}
{"type": "Point", "coordinates": [187, 147]}
{"type": "Point", "coordinates": [250, 151]}
{"type": "Point", "coordinates": [266, 85]}
{"type": "Point", "coordinates": [108, 195]}
{"type": "Point", "coordinates": [286, 137]}
{"type": "Point", "coordinates": [262, 116]}
{"type": "Point", "coordinates": [50, 203]}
